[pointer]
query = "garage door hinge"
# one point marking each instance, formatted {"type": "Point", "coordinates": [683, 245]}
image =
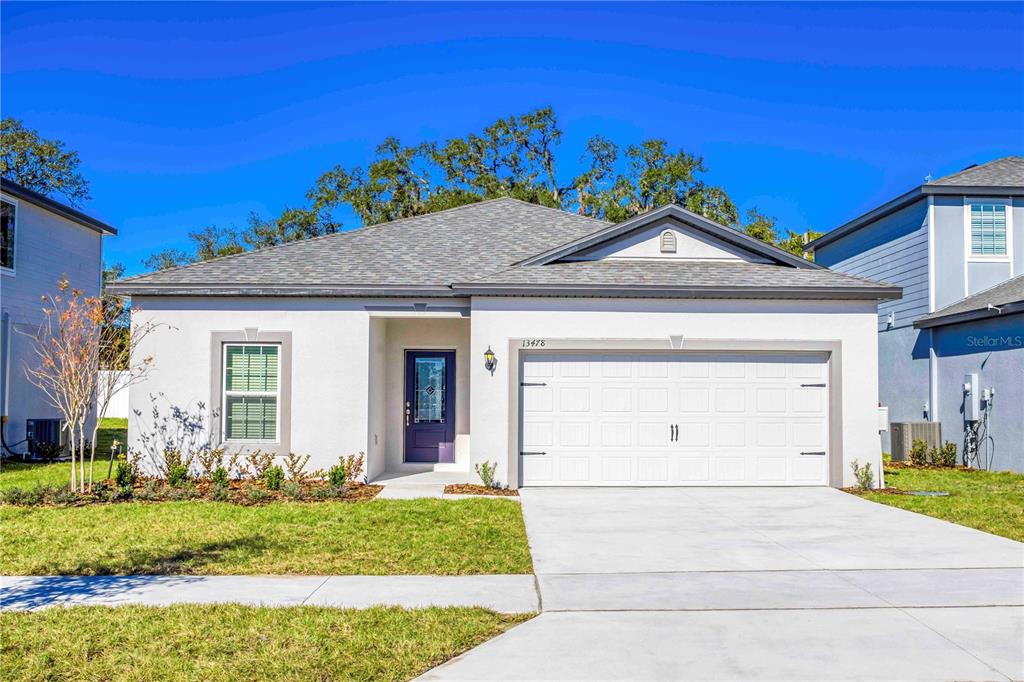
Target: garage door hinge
{"type": "Point", "coordinates": [812, 385]}
{"type": "Point", "coordinates": [533, 453]}
{"type": "Point", "coordinates": [530, 383]}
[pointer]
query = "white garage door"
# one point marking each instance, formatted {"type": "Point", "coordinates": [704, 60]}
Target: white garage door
{"type": "Point", "coordinates": [680, 419]}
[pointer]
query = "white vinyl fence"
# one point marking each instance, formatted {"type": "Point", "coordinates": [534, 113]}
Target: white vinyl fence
{"type": "Point", "coordinates": [119, 405]}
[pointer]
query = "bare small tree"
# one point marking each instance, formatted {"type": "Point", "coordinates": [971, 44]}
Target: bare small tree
{"type": "Point", "coordinates": [74, 340]}
{"type": "Point", "coordinates": [66, 347]}
{"type": "Point", "coordinates": [119, 345]}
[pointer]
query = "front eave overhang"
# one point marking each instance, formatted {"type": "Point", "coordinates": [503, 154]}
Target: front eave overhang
{"type": "Point", "coordinates": [970, 316]}
{"type": "Point", "coordinates": [650, 291]}
{"type": "Point", "coordinates": [129, 288]}
{"type": "Point", "coordinates": [57, 208]}
{"type": "Point", "coordinates": [904, 200]}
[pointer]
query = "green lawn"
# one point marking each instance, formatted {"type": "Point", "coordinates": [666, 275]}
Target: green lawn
{"type": "Point", "coordinates": [21, 475]}
{"type": "Point", "coordinates": [986, 500]}
{"type": "Point", "coordinates": [233, 642]}
{"type": "Point", "coordinates": [378, 537]}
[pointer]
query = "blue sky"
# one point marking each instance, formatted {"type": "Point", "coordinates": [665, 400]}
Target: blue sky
{"type": "Point", "coordinates": [193, 114]}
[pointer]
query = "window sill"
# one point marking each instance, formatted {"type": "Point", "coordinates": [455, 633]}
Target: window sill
{"type": "Point", "coordinates": [978, 258]}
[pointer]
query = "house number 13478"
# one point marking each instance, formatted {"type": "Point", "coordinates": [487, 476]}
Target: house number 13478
{"type": "Point", "coordinates": [534, 343]}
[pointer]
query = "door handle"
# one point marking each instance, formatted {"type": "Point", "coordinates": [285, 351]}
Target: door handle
{"type": "Point", "coordinates": [408, 411]}
{"type": "Point", "coordinates": [820, 453]}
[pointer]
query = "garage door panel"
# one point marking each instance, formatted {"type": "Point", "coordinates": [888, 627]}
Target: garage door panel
{"type": "Point", "coordinates": [680, 419]}
{"type": "Point", "coordinates": [616, 434]}
{"type": "Point", "coordinates": [574, 434]}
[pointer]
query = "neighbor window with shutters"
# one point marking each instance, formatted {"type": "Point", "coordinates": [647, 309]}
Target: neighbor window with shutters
{"type": "Point", "coordinates": [988, 229]}
{"type": "Point", "coordinates": [251, 392]}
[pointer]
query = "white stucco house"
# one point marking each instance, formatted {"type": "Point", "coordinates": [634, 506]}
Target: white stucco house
{"type": "Point", "coordinates": [667, 350]}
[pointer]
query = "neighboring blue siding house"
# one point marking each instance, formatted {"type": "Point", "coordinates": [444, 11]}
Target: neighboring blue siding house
{"type": "Point", "coordinates": [956, 246]}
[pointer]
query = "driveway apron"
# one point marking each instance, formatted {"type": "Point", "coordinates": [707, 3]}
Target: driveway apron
{"type": "Point", "coordinates": [756, 583]}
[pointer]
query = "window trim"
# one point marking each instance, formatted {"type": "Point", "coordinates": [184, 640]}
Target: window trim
{"type": "Point", "coordinates": [225, 393]}
{"type": "Point", "coordinates": [969, 255]}
{"type": "Point", "coordinates": [17, 216]}
{"type": "Point", "coordinates": [253, 335]}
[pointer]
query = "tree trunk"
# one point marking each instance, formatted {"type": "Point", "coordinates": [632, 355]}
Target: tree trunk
{"type": "Point", "coordinates": [81, 457]}
{"type": "Point", "coordinates": [92, 450]}
{"type": "Point", "coordinates": [71, 451]}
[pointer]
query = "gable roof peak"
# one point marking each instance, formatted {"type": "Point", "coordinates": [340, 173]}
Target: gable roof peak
{"type": "Point", "coordinates": [694, 220]}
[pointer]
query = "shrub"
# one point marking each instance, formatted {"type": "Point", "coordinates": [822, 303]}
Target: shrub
{"type": "Point", "coordinates": [257, 495]}
{"type": "Point", "coordinates": [150, 490]}
{"type": "Point", "coordinates": [219, 477]}
{"type": "Point", "coordinates": [296, 465]}
{"type": "Point", "coordinates": [293, 490]}
{"type": "Point", "coordinates": [485, 470]}
{"type": "Point", "coordinates": [273, 477]}
{"type": "Point", "coordinates": [325, 492]}
{"type": "Point", "coordinates": [18, 497]}
{"type": "Point", "coordinates": [337, 476]}
{"type": "Point", "coordinates": [257, 463]}
{"type": "Point", "coordinates": [919, 453]}
{"type": "Point", "coordinates": [353, 467]}
{"type": "Point", "coordinates": [865, 477]}
{"type": "Point", "coordinates": [65, 496]}
{"type": "Point", "coordinates": [49, 451]}
{"type": "Point", "coordinates": [124, 474]}
{"type": "Point", "coordinates": [186, 491]}
{"type": "Point", "coordinates": [177, 475]}
{"type": "Point", "coordinates": [220, 492]}
{"type": "Point", "coordinates": [944, 456]}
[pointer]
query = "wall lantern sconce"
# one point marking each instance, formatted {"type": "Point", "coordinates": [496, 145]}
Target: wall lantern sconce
{"type": "Point", "coordinates": [490, 361]}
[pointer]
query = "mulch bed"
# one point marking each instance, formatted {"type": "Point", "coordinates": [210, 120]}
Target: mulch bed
{"type": "Point", "coordinates": [474, 489]}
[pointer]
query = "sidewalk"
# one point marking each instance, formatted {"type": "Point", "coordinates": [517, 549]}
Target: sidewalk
{"type": "Point", "coordinates": [503, 593]}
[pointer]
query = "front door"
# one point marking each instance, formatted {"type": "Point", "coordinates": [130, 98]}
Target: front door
{"type": "Point", "coordinates": [429, 406]}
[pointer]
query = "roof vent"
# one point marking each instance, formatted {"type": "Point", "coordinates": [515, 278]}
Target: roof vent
{"type": "Point", "coordinates": [668, 241]}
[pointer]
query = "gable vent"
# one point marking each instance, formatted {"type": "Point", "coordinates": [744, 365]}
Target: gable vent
{"type": "Point", "coordinates": [668, 241]}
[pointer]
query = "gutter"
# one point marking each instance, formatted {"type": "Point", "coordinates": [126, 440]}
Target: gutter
{"type": "Point", "coordinates": [642, 291]}
{"type": "Point", "coordinates": [57, 208]}
{"type": "Point", "coordinates": [970, 316]}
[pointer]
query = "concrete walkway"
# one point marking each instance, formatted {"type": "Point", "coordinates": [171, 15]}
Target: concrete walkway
{"type": "Point", "coordinates": [756, 584]}
{"type": "Point", "coordinates": [504, 593]}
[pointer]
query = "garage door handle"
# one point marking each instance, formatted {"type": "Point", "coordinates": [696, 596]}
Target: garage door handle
{"type": "Point", "coordinates": [812, 385]}
{"type": "Point", "coordinates": [533, 453]}
{"type": "Point", "coordinates": [530, 383]}
{"type": "Point", "coordinates": [820, 453]}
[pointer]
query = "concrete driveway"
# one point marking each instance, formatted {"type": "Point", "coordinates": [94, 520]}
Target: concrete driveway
{"type": "Point", "coordinates": [756, 583]}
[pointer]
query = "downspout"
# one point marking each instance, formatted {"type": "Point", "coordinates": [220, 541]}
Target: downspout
{"type": "Point", "coordinates": [933, 368]}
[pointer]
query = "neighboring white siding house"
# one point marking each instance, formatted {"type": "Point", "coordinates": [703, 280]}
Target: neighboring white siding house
{"type": "Point", "coordinates": [43, 240]}
{"type": "Point", "coordinates": [951, 244]}
{"type": "Point", "coordinates": [667, 350]}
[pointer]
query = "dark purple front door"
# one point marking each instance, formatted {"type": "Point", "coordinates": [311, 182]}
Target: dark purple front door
{"type": "Point", "coordinates": [429, 406]}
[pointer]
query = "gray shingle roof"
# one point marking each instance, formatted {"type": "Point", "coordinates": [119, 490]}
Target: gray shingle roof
{"type": "Point", "coordinates": [427, 251]}
{"type": "Point", "coordinates": [1005, 172]}
{"type": "Point", "coordinates": [476, 248]}
{"type": "Point", "coordinates": [1008, 296]}
{"type": "Point", "coordinates": [676, 278]}
{"type": "Point", "coordinates": [1000, 177]}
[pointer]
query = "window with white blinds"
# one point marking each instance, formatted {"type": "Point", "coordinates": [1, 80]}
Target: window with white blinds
{"type": "Point", "coordinates": [988, 229]}
{"type": "Point", "coordinates": [251, 391]}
